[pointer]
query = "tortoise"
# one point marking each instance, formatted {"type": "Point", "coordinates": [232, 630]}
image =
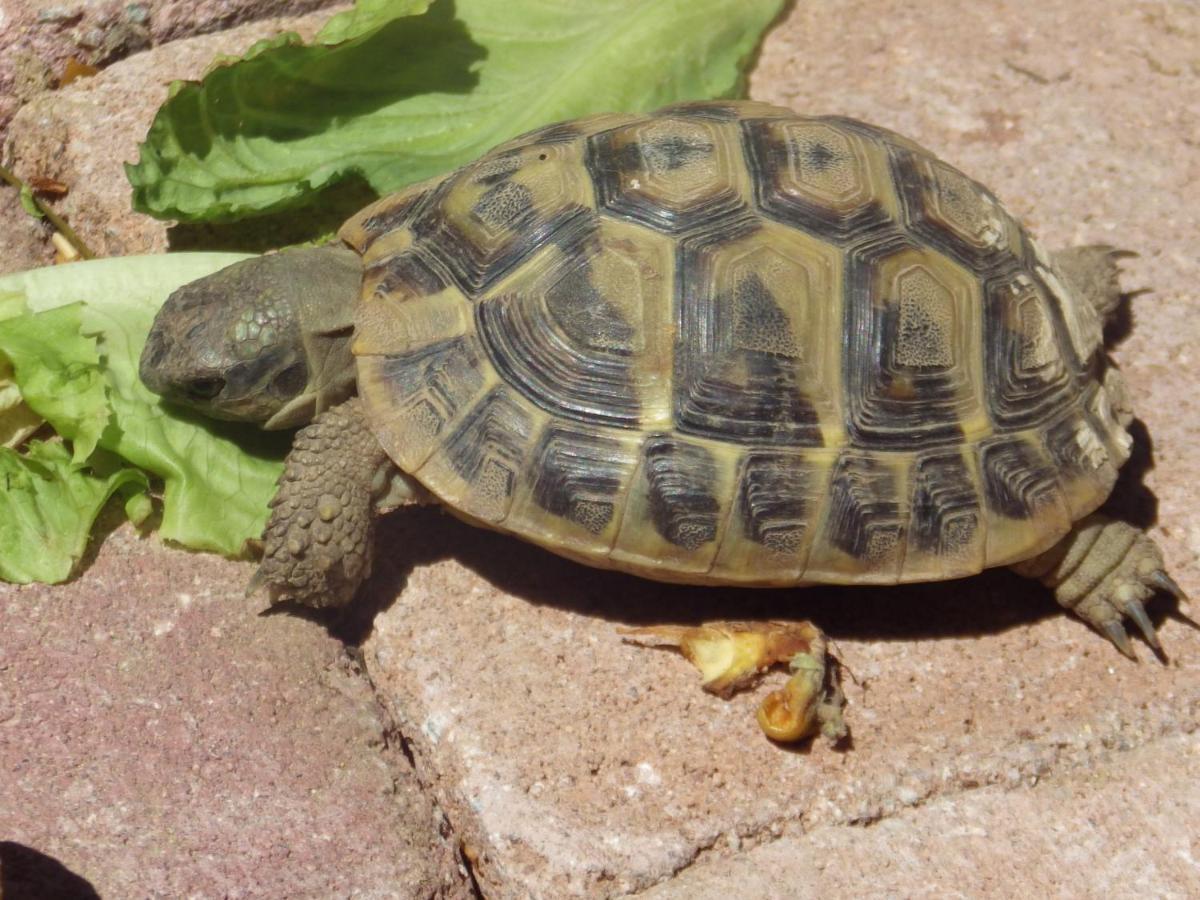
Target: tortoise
{"type": "Point", "coordinates": [719, 344]}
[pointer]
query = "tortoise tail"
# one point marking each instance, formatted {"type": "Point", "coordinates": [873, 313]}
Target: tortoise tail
{"type": "Point", "coordinates": [1093, 273]}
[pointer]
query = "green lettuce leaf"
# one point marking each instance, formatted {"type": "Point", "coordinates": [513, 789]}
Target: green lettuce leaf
{"type": "Point", "coordinates": [217, 477]}
{"type": "Point", "coordinates": [17, 420]}
{"type": "Point", "coordinates": [47, 507]}
{"type": "Point", "coordinates": [405, 97]}
{"type": "Point", "coordinates": [58, 370]}
{"type": "Point", "coordinates": [367, 15]}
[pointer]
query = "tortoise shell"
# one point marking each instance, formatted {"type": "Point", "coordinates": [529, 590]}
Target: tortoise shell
{"type": "Point", "coordinates": [724, 343]}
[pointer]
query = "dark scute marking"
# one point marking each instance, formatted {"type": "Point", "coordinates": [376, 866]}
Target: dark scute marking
{"type": "Point", "coordinates": [409, 272]}
{"type": "Point", "coordinates": [746, 398]}
{"type": "Point", "coordinates": [912, 185]}
{"type": "Point", "coordinates": [438, 378]}
{"type": "Point", "coordinates": [725, 391]}
{"type": "Point", "coordinates": [578, 475]}
{"type": "Point", "coordinates": [720, 112]}
{"type": "Point", "coordinates": [1022, 398]}
{"type": "Point", "coordinates": [613, 170]}
{"type": "Point", "coordinates": [945, 506]}
{"type": "Point", "coordinates": [889, 409]}
{"type": "Point", "coordinates": [761, 322]}
{"type": "Point", "coordinates": [586, 315]}
{"type": "Point", "coordinates": [496, 169]}
{"type": "Point", "coordinates": [392, 217]}
{"type": "Point", "coordinates": [674, 152]}
{"type": "Point", "coordinates": [1064, 449]}
{"type": "Point", "coordinates": [767, 153]}
{"type": "Point", "coordinates": [770, 160]}
{"type": "Point", "coordinates": [1016, 481]}
{"type": "Point", "coordinates": [773, 500]}
{"type": "Point", "coordinates": [566, 379]}
{"type": "Point", "coordinates": [864, 509]}
{"type": "Point", "coordinates": [474, 266]}
{"type": "Point", "coordinates": [680, 481]}
{"type": "Point", "coordinates": [626, 160]}
{"type": "Point", "coordinates": [491, 440]}
{"type": "Point", "coordinates": [1067, 453]}
{"type": "Point", "coordinates": [503, 204]}
{"type": "Point", "coordinates": [819, 156]}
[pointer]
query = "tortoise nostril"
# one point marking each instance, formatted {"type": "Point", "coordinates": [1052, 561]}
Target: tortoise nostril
{"type": "Point", "coordinates": [205, 388]}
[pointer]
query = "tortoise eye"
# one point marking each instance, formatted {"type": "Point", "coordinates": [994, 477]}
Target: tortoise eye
{"type": "Point", "coordinates": [205, 388]}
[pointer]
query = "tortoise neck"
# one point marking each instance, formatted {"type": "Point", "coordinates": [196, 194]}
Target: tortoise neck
{"type": "Point", "coordinates": [325, 310]}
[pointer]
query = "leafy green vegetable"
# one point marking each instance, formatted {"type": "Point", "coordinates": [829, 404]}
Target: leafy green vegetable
{"type": "Point", "coordinates": [58, 370]}
{"type": "Point", "coordinates": [366, 16]}
{"type": "Point", "coordinates": [217, 478]}
{"type": "Point", "coordinates": [17, 420]}
{"type": "Point", "coordinates": [47, 507]}
{"type": "Point", "coordinates": [406, 96]}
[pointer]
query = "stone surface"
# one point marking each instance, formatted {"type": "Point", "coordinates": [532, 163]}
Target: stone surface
{"type": "Point", "coordinates": [158, 738]}
{"type": "Point", "coordinates": [83, 135]}
{"type": "Point", "coordinates": [1120, 829]}
{"type": "Point", "coordinates": [568, 763]}
{"type": "Point", "coordinates": [24, 240]}
{"type": "Point", "coordinates": [39, 39]}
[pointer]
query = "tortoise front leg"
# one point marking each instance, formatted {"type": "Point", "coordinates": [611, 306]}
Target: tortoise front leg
{"type": "Point", "coordinates": [1102, 571]}
{"type": "Point", "coordinates": [318, 543]}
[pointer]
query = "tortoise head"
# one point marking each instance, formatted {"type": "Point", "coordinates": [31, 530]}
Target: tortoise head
{"type": "Point", "coordinates": [266, 340]}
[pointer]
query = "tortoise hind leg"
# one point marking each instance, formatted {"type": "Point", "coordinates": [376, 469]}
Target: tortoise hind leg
{"type": "Point", "coordinates": [1103, 571]}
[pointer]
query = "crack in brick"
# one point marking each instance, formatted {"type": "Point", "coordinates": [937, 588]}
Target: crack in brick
{"type": "Point", "coordinates": [395, 739]}
{"type": "Point", "coordinates": [1058, 761]}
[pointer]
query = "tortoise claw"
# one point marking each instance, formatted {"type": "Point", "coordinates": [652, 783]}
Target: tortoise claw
{"type": "Point", "coordinates": [1115, 632]}
{"type": "Point", "coordinates": [257, 581]}
{"type": "Point", "coordinates": [1137, 612]}
{"type": "Point", "coordinates": [1164, 582]}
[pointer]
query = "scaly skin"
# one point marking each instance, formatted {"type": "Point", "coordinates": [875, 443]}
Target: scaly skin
{"type": "Point", "coordinates": [318, 544]}
{"type": "Point", "coordinates": [1103, 571]}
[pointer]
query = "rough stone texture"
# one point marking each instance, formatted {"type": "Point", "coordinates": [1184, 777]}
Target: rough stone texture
{"type": "Point", "coordinates": [38, 38]}
{"type": "Point", "coordinates": [1125, 823]}
{"type": "Point", "coordinates": [83, 135]}
{"type": "Point", "coordinates": [24, 240]}
{"type": "Point", "coordinates": [158, 738]}
{"type": "Point", "coordinates": [568, 763]}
